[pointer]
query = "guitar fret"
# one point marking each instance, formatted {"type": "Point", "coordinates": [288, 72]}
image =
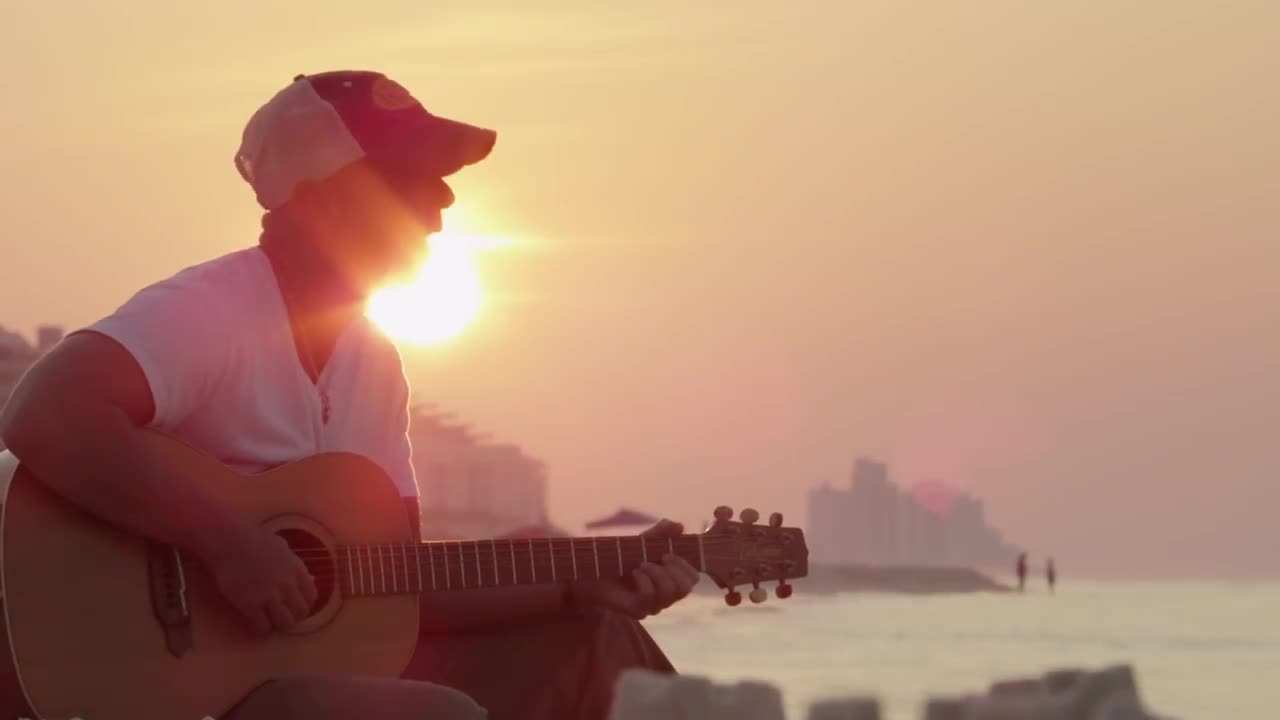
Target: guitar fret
{"type": "Point", "coordinates": [494, 545]}
{"type": "Point", "coordinates": [404, 560]}
{"type": "Point", "coordinates": [382, 567]}
{"type": "Point", "coordinates": [618, 540]}
{"type": "Point", "coordinates": [351, 572]}
{"type": "Point", "coordinates": [552, 554]}
{"type": "Point", "coordinates": [431, 558]}
{"type": "Point", "coordinates": [447, 581]}
{"type": "Point", "coordinates": [369, 551]}
{"type": "Point", "coordinates": [479, 577]}
{"type": "Point", "coordinates": [417, 561]}
{"type": "Point", "coordinates": [391, 549]}
{"type": "Point", "coordinates": [360, 565]}
{"type": "Point", "coordinates": [533, 569]}
{"type": "Point", "coordinates": [462, 564]}
{"type": "Point", "coordinates": [595, 551]}
{"type": "Point", "coordinates": [644, 549]}
{"type": "Point", "coordinates": [702, 556]}
{"type": "Point", "coordinates": [511, 545]}
{"type": "Point", "coordinates": [573, 556]}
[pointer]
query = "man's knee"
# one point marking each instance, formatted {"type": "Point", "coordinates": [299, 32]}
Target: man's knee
{"type": "Point", "coordinates": [371, 698]}
{"type": "Point", "coordinates": [621, 640]}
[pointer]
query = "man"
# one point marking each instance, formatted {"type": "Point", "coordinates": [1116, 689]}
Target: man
{"type": "Point", "coordinates": [262, 357]}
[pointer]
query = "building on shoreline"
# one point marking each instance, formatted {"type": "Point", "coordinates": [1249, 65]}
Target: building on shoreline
{"type": "Point", "coordinates": [874, 522]}
{"type": "Point", "coordinates": [471, 486]}
{"type": "Point", "coordinates": [17, 354]}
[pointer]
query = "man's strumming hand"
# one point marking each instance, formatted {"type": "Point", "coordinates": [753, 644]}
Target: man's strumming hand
{"type": "Point", "coordinates": [263, 578]}
{"type": "Point", "coordinates": [652, 587]}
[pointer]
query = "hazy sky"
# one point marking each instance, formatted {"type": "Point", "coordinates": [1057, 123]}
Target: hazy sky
{"type": "Point", "coordinates": [1026, 247]}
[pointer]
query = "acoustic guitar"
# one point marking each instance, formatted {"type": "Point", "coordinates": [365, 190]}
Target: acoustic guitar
{"type": "Point", "coordinates": [104, 624]}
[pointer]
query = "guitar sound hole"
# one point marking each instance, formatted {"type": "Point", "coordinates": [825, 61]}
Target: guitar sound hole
{"type": "Point", "coordinates": [319, 562]}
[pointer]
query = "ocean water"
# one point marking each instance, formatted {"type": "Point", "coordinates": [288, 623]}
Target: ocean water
{"type": "Point", "coordinates": [1202, 651]}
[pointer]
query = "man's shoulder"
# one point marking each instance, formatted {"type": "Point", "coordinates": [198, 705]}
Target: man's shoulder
{"type": "Point", "coordinates": [241, 268]}
{"type": "Point", "coordinates": [377, 343]}
{"type": "Point", "coordinates": [239, 279]}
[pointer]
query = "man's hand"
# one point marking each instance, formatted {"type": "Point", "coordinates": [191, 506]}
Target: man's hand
{"type": "Point", "coordinates": [264, 579]}
{"type": "Point", "coordinates": [652, 588]}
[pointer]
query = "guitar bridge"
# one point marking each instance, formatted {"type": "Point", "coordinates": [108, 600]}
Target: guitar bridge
{"type": "Point", "coordinates": [169, 596]}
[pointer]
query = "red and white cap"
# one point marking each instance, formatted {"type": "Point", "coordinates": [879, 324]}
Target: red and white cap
{"type": "Point", "coordinates": [322, 123]}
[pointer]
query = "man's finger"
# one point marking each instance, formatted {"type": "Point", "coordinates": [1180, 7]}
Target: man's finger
{"type": "Point", "coordinates": [257, 617]}
{"type": "Point", "coordinates": [299, 608]}
{"type": "Point", "coordinates": [683, 573]}
{"type": "Point", "coordinates": [663, 582]}
{"type": "Point", "coordinates": [646, 594]}
{"type": "Point", "coordinates": [687, 570]}
{"type": "Point", "coordinates": [280, 616]}
{"type": "Point", "coordinates": [665, 527]}
{"type": "Point", "coordinates": [307, 586]}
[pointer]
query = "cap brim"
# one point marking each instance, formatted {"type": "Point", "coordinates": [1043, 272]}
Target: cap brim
{"type": "Point", "coordinates": [437, 146]}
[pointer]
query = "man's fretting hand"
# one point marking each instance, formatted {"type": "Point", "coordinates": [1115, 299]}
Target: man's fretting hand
{"type": "Point", "coordinates": [652, 588]}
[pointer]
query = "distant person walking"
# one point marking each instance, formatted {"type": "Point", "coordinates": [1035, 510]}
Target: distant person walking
{"type": "Point", "coordinates": [1022, 572]}
{"type": "Point", "coordinates": [1051, 574]}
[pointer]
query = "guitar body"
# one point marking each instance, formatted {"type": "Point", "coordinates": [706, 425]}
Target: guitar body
{"type": "Point", "coordinates": [85, 635]}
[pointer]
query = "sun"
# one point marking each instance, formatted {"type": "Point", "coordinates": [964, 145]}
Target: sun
{"type": "Point", "coordinates": [442, 300]}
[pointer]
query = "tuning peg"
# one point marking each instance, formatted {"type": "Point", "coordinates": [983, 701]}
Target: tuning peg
{"type": "Point", "coordinates": [775, 520]}
{"type": "Point", "coordinates": [733, 598]}
{"type": "Point", "coordinates": [783, 591]}
{"type": "Point", "coordinates": [749, 515]}
{"type": "Point", "coordinates": [758, 595]}
{"type": "Point", "coordinates": [724, 512]}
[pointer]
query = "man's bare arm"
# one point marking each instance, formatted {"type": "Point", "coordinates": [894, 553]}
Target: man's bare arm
{"type": "Point", "coordinates": [75, 420]}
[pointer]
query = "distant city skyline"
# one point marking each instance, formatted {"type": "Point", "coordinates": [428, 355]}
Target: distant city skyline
{"type": "Point", "coordinates": [873, 520]}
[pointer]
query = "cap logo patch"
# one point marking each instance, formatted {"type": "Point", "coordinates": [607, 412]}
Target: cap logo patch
{"type": "Point", "coordinates": [390, 95]}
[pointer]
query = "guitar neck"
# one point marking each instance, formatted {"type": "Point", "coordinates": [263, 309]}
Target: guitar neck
{"type": "Point", "coordinates": [405, 568]}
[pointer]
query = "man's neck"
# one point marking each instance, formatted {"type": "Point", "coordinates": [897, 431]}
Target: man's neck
{"type": "Point", "coordinates": [315, 287]}
{"type": "Point", "coordinates": [320, 301]}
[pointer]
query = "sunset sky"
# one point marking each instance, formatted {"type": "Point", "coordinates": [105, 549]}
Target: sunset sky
{"type": "Point", "coordinates": [1029, 248]}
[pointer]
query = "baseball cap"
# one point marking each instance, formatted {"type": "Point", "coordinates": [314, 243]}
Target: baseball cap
{"type": "Point", "coordinates": [321, 123]}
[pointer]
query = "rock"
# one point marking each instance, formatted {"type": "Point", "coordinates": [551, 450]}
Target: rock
{"type": "Point", "coordinates": [846, 709]}
{"type": "Point", "coordinates": [1020, 687]}
{"type": "Point", "coordinates": [947, 709]}
{"type": "Point", "coordinates": [1057, 681]}
{"type": "Point", "coordinates": [1108, 694]}
{"type": "Point", "coordinates": [646, 695]}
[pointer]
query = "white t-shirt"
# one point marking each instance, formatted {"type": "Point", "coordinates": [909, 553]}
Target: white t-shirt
{"type": "Point", "coordinates": [215, 344]}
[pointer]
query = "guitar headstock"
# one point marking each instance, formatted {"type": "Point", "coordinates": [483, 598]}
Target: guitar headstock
{"type": "Point", "coordinates": [742, 552]}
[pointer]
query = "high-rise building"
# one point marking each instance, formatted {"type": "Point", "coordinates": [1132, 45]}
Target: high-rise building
{"type": "Point", "coordinates": [875, 522]}
{"type": "Point", "coordinates": [471, 487]}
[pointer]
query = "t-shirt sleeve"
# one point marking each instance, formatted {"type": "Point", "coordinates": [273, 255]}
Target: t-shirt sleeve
{"type": "Point", "coordinates": [176, 332]}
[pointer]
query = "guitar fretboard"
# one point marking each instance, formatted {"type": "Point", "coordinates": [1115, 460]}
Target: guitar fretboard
{"type": "Point", "coordinates": [455, 565]}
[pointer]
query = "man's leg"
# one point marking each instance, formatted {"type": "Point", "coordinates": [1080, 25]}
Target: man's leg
{"type": "Point", "coordinates": [560, 668]}
{"type": "Point", "coordinates": [354, 698]}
